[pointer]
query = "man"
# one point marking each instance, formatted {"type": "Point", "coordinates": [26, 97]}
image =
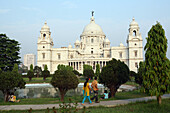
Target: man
{"type": "Point", "coordinates": [95, 90]}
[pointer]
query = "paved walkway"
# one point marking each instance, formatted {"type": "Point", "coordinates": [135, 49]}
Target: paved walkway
{"type": "Point", "coordinates": [111, 103]}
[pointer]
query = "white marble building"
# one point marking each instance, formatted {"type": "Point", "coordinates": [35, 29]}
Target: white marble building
{"type": "Point", "coordinates": [92, 48]}
{"type": "Point", "coordinates": [29, 59]}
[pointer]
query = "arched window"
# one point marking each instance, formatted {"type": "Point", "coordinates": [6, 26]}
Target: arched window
{"type": "Point", "coordinates": [44, 35]}
{"type": "Point", "coordinates": [134, 33]}
{"type": "Point", "coordinates": [43, 55]}
{"type": "Point", "coordinates": [92, 40]}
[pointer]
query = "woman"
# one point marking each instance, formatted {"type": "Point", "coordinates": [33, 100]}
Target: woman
{"type": "Point", "coordinates": [86, 91]}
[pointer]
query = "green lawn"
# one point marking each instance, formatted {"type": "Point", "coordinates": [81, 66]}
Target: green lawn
{"type": "Point", "coordinates": [75, 98]}
{"type": "Point", "coordinates": [38, 80]}
{"type": "Point", "coordinates": [139, 107]}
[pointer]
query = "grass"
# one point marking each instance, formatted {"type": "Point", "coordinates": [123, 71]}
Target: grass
{"type": "Point", "coordinates": [38, 80]}
{"type": "Point", "coordinates": [77, 98]}
{"type": "Point", "coordinates": [131, 83]}
{"type": "Point", "coordinates": [139, 107]}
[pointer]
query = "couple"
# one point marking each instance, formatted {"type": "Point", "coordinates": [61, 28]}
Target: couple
{"type": "Point", "coordinates": [86, 91]}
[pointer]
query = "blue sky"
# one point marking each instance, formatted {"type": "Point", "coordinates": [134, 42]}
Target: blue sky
{"type": "Point", "coordinates": [22, 19]}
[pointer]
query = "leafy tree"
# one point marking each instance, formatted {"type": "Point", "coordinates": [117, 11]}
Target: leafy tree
{"type": "Point", "coordinates": [61, 67]}
{"type": "Point", "coordinates": [38, 71]}
{"type": "Point", "coordinates": [97, 70]}
{"type": "Point", "coordinates": [23, 69]}
{"type": "Point", "coordinates": [113, 75]}
{"type": "Point", "coordinates": [10, 80]}
{"type": "Point", "coordinates": [76, 72]}
{"type": "Point", "coordinates": [30, 73]}
{"type": "Point", "coordinates": [139, 77]}
{"type": "Point", "coordinates": [45, 73]}
{"type": "Point", "coordinates": [64, 79]}
{"type": "Point", "coordinates": [45, 68]}
{"type": "Point", "coordinates": [9, 53]}
{"type": "Point", "coordinates": [132, 75]}
{"type": "Point", "coordinates": [31, 67]}
{"type": "Point", "coordinates": [88, 71]}
{"type": "Point", "coordinates": [156, 79]}
{"type": "Point", "coordinates": [85, 67]}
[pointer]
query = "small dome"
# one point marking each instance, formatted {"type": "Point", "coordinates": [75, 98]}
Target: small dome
{"type": "Point", "coordinates": [121, 45]}
{"type": "Point", "coordinates": [45, 27]}
{"type": "Point", "coordinates": [69, 46]}
{"type": "Point", "coordinates": [77, 42]}
{"type": "Point", "coordinates": [133, 23]}
{"type": "Point", "coordinates": [92, 28]}
{"type": "Point", "coordinates": [106, 40]}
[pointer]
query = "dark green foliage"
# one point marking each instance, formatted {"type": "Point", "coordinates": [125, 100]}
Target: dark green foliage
{"type": "Point", "coordinates": [9, 53]}
{"type": "Point", "coordinates": [76, 72]}
{"type": "Point", "coordinates": [88, 71]}
{"type": "Point", "coordinates": [10, 80]}
{"type": "Point", "coordinates": [132, 75]}
{"type": "Point", "coordinates": [86, 67]}
{"type": "Point", "coordinates": [31, 67]}
{"type": "Point", "coordinates": [156, 79]}
{"type": "Point", "coordinates": [113, 75]}
{"type": "Point", "coordinates": [141, 70]}
{"type": "Point", "coordinates": [61, 67]}
{"type": "Point", "coordinates": [23, 69]}
{"type": "Point", "coordinates": [97, 73]}
{"type": "Point", "coordinates": [45, 74]}
{"type": "Point", "coordinates": [30, 75]}
{"type": "Point", "coordinates": [45, 68]}
{"type": "Point", "coordinates": [38, 71]}
{"type": "Point", "coordinates": [64, 79]}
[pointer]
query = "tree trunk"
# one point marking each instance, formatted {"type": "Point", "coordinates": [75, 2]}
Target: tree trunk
{"type": "Point", "coordinates": [159, 99]}
{"type": "Point", "coordinates": [44, 78]}
{"type": "Point", "coordinates": [6, 97]}
{"type": "Point", "coordinates": [62, 97]}
{"type": "Point", "coordinates": [62, 94]}
{"type": "Point", "coordinates": [30, 78]}
{"type": "Point", "coordinates": [113, 91]}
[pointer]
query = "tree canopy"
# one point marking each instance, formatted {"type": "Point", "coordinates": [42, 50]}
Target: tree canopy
{"type": "Point", "coordinates": [9, 53]}
{"type": "Point", "coordinates": [38, 71]}
{"type": "Point", "coordinates": [141, 70]}
{"type": "Point", "coordinates": [64, 79]}
{"type": "Point", "coordinates": [113, 75]}
{"type": "Point", "coordinates": [156, 79]}
{"type": "Point", "coordinates": [97, 73]}
{"type": "Point", "coordinates": [10, 80]}
{"type": "Point", "coordinates": [45, 73]}
{"type": "Point", "coordinates": [88, 71]}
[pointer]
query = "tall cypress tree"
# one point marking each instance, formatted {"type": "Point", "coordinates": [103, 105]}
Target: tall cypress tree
{"type": "Point", "coordinates": [156, 79]}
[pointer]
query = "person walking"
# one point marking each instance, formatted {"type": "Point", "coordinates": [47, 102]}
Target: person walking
{"type": "Point", "coordinates": [86, 91]}
{"type": "Point", "coordinates": [95, 90]}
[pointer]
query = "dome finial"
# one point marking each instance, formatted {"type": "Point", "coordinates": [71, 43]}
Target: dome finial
{"type": "Point", "coordinates": [133, 18]}
{"type": "Point", "coordinates": [92, 13]}
{"type": "Point", "coordinates": [45, 22]}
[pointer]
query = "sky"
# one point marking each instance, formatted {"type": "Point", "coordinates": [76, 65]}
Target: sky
{"type": "Point", "coordinates": [22, 20]}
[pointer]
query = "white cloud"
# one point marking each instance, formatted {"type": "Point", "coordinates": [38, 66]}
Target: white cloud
{"type": "Point", "coordinates": [3, 11]}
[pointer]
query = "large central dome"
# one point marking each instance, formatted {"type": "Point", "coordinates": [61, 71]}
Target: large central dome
{"type": "Point", "coordinates": [92, 29]}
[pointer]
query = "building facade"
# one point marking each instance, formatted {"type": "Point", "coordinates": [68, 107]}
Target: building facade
{"type": "Point", "coordinates": [92, 48]}
{"type": "Point", "coordinates": [29, 59]}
